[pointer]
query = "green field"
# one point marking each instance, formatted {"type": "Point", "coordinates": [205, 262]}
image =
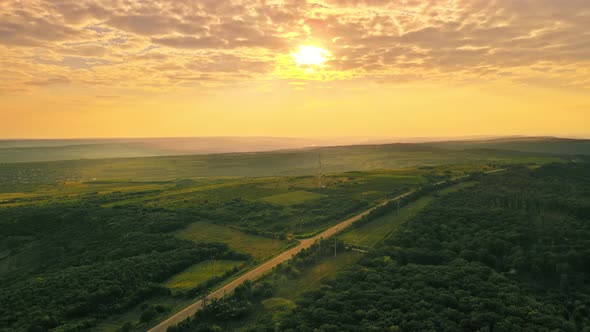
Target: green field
{"type": "Point", "coordinates": [200, 273]}
{"type": "Point", "coordinates": [376, 230]}
{"type": "Point", "coordinates": [10, 196]}
{"type": "Point", "coordinates": [311, 279]}
{"type": "Point", "coordinates": [292, 198]}
{"type": "Point", "coordinates": [259, 247]}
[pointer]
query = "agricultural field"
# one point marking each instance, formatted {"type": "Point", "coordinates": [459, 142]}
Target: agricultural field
{"type": "Point", "coordinates": [258, 246]}
{"type": "Point", "coordinates": [292, 198]}
{"type": "Point", "coordinates": [200, 273]}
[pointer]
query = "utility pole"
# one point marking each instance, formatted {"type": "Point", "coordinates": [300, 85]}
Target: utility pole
{"type": "Point", "coordinates": [319, 170]}
{"type": "Point", "coordinates": [334, 246]}
{"type": "Point", "coordinates": [205, 298]}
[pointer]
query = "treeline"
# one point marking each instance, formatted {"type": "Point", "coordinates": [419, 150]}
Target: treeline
{"type": "Point", "coordinates": [67, 266]}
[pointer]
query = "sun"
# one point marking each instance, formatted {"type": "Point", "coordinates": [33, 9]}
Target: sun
{"type": "Point", "coordinates": [311, 56]}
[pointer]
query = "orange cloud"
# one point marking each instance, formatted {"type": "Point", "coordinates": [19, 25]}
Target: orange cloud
{"type": "Point", "coordinates": [130, 48]}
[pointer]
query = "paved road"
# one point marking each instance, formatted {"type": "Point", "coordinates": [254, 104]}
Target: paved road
{"type": "Point", "coordinates": [284, 256]}
{"type": "Point", "coordinates": [263, 268]}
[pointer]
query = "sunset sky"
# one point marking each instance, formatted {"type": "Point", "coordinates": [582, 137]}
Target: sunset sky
{"type": "Point", "coordinates": [120, 68]}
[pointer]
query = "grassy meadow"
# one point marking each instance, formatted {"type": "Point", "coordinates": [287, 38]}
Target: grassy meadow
{"type": "Point", "coordinates": [292, 198]}
{"type": "Point", "coordinates": [258, 246]}
{"type": "Point", "coordinates": [200, 273]}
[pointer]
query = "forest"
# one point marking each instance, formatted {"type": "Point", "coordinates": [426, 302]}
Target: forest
{"type": "Point", "coordinates": [75, 255]}
{"type": "Point", "coordinates": [510, 253]}
{"type": "Point", "coordinates": [87, 263]}
{"type": "Point", "coordinates": [117, 254]}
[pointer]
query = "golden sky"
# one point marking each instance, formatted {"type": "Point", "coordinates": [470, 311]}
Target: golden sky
{"type": "Point", "coordinates": [103, 68]}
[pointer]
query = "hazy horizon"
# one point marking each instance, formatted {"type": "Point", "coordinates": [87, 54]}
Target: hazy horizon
{"type": "Point", "coordinates": [457, 137]}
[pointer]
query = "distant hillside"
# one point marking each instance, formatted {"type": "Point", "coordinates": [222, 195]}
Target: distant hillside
{"type": "Point", "coordinates": [258, 164]}
{"type": "Point", "coordinates": [550, 145]}
{"type": "Point", "coordinates": [12, 151]}
{"type": "Point", "coordinates": [15, 151]}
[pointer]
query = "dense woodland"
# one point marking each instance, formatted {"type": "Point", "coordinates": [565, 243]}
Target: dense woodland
{"type": "Point", "coordinates": [70, 262]}
{"type": "Point", "coordinates": [512, 253]}
{"type": "Point", "coordinates": [509, 254]}
{"type": "Point", "coordinates": [68, 266]}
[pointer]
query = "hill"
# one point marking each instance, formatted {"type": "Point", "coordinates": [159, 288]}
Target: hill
{"type": "Point", "coordinates": [258, 164]}
{"type": "Point", "coordinates": [17, 151]}
{"type": "Point", "coordinates": [72, 149]}
{"type": "Point", "coordinates": [549, 145]}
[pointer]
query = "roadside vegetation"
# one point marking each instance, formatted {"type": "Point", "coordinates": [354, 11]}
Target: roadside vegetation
{"type": "Point", "coordinates": [259, 247]}
{"type": "Point", "coordinates": [201, 273]}
{"type": "Point", "coordinates": [368, 234]}
{"type": "Point", "coordinates": [259, 305]}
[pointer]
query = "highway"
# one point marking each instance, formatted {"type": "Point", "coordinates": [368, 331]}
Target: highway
{"type": "Point", "coordinates": [261, 269]}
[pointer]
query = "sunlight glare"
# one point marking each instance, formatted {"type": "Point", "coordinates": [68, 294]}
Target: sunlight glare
{"type": "Point", "coordinates": [311, 56]}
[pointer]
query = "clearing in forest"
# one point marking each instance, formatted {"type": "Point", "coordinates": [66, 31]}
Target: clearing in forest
{"type": "Point", "coordinates": [200, 273]}
{"type": "Point", "coordinates": [258, 246]}
{"type": "Point", "coordinates": [292, 198]}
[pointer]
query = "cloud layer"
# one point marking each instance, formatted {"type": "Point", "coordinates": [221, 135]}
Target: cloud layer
{"type": "Point", "coordinates": [180, 43]}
